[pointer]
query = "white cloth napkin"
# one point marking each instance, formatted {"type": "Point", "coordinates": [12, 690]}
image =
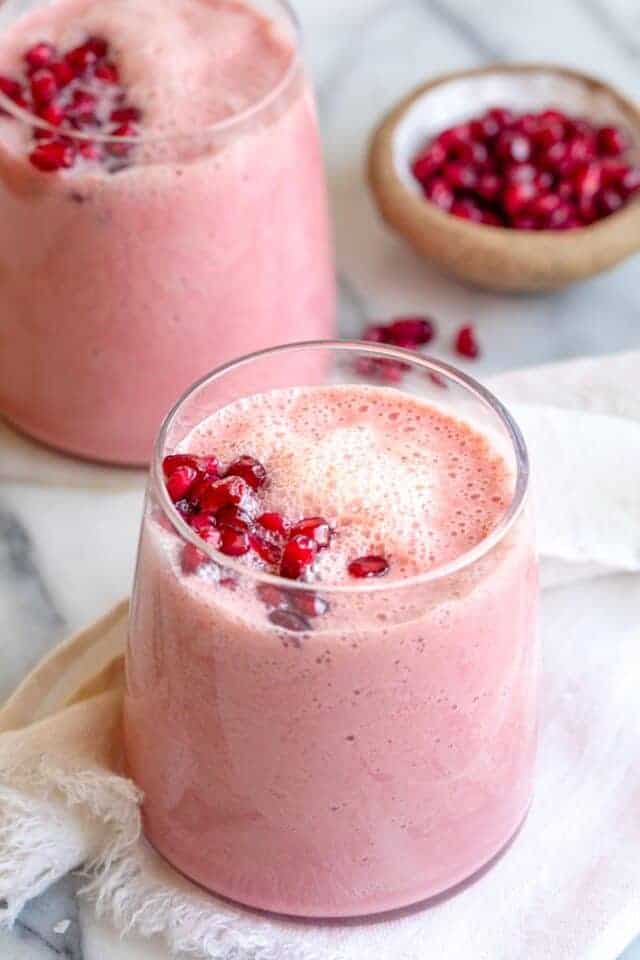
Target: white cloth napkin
{"type": "Point", "coordinates": [567, 888]}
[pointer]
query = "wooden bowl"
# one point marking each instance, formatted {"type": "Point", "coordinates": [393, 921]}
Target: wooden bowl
{"type": "Point", "coordinates": [496, 257]}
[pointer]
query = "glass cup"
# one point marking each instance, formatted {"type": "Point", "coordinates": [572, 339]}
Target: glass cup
{"type": "Point", "coordinates": [119, 286]}
{"type": "Point", "coordinates": [333, 750]}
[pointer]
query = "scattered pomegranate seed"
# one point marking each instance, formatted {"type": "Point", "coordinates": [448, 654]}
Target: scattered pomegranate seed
{"type": "Point", "coordinates": [414, 331]}
{"type": "Point", "coordinates": [232, 491]}
{"type": "Point", "coordinates": [369, 566]}
{"type": "Point", "coordinates": [271, 596]}
{"type": "Point", "coordinates": [180, 482]}
{"type": "Point", "coordinates": [267, 551]}
{"type": "Point", "coordinates": [62, 72]}
{"type": "Point", "coordinates": [125, 130]}
{"type": "Point", "coordinates": [611, 141]}
{"type": "Point", "coordinates": [39, 55]}
{"type": "Point", "coordinates": [81, 58]}
{"type": "Point", "coordinates": [108, 72]}
{"type": "Point", "coordinates": [13, 90]}
{"type": "Point", "coordinates": [274, 523]}
{"type": "Point", "coordinates": [51, 113]}
{"type": "Point", "coordinates": [202, 522]}
{"type": "Point", "coordinates": [535, 171]}
{"type": "Point", "coordinates": [297, 555]}
{"type": "Point", "coordinates": [83, 106]}
{"type": "Point", "coordinates": [52, 156]}
{"type": "Point", "coordinates": [309, 604]}
{"type": "Point", "coordinates": [316, 528]}
{"type": "Point", "coordinates": [251, 471]}
{"type": "Point", "coordinates": [465, 342]}
{"type": "Point", "coordinates": [175, 460]}
{"type": "Point", "coordinates": [289, 620]}
{"type": "Point", "coordinates": [191, 559]}
{"type": "Point", "coordinates": [233, 543]}
{"type": "Point", "coordinates": [44, 85]}
{"type": "Point", "coordinates": [233, 517]}
{"type": "Point", "coordinates": [125, 115]}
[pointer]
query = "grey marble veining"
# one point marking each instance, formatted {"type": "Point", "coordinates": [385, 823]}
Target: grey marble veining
{"type": "Point", "coordinates": [66, 555]}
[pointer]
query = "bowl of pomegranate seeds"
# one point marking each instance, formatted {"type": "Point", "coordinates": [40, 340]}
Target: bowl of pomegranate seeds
{"type": "Point", "coordinates": [517, 177]}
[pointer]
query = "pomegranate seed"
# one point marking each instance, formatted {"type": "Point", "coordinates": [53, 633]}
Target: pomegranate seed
{"type": "Point", "coordinates": [460, 176]}
{"type": "Point", "coordinates": [52, 113]}
{"type": "Point", "coordinates": [202, 522]}
{"type": "Point", "coordinates": [298, 554]}
{"type": "Point", "coordinates": [466, 209]}
{"type": "Point", "coordinates": [271, 596]}
{"type": "Point", "coordinates": [233, 491]}
{"type": "Point", "coordinates": [528, 123]}
{"type": "Point", "coordinates": [315, 527]}
{"type": "Point", "coordinates": [191, 559]}
{"type": "Point", "coordinates": [44, 85]}
{"type": "Point", "coordinates": [85, 56]}
{"type": "Point", "coordinates": [180, 482]}
{"type": "Point", "coordinates": [175, 460]}
{"type": "Point", "coordinates": [12, 89]}
{"type": "Point", "coordinates": [267, 551]}
{"type": "Point", "coordinates": [454, 138]}
{"type": "Point", "coordinates": [83, 106]}
{"type": "Point", "coordinates": [513, 146]}
{"type": "Point", "coordinates": [524, 221]}
{"type": "Point", "coordinates": [251, 471]}
{"type": "Point", "coordinates": [89, 150]}
{"type": "Point", "coordinates": [501, 116]}
{"type": "Point", "coordinates": [491, 219]}
{"type": "Point", "coordinates": [465, 342]}
{"type": "Point", "coordinates": [519, 173]}
{"type": "Point", "coordinates": [544, 205]}
{"type": "Point", "coordinates": [517, 196]}
{"type": "Point", "coordinates": [438, 191]}
{"type": "Point", "coordinates": [409, 331]}
{"type": "Point", "coordinates": [630, 180]}
{"type": "Point", "coordinates": [52, 156]}
{"type": "Point", "coordinates": [233, 517]}
{"type": "Point", "coordinates": [565, 189]}
{"type": "Point", "coordinates": [122, 149]}
{"type": "Point", "coordinates": [125, 115]}
{"type": "Point", "coordinates": [233, 543]}
{"type": "Point", "coordinates": [542, 181]}
{"type": "Point", "coordinates": [274, 523]}
{"type": "Point", "coordinates": [609, 200]}
{"type": "Point", "coordinates": [289, 620]}
{"type": "Point", "coordinates": [428, 162]}
{"type": "Point", "coordinates": [587, 180]}
{"type": "Point", "coordinates": [39, 55]}
{"type": "Point", "coordinates": [309, 604]}
{"type": "Point", "coordinates": [107, 72]}
{"type": "Point", "coordinates": [390, 371]}
{"type": "Point", "coordinates": [376, 334]}
{"type": "Point", "coordinates": [560, 217]}
{"type": "Point", "coordinates": [611, 141]}
{"type": "Point", "coordinates": [369, 566]}
{"type": "Point", "coordinates": [548, 133]}
{"type": "Point", "coordinates": [580, 150]}
{"type": "Point", "coordinates": [488, 186]}
{"type": "Point", "coordinates": [62, 72]}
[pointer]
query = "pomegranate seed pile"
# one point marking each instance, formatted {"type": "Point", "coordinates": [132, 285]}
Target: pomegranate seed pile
{"type": "Point", "coordinates": [531, 171]}
{"type": "Point", "coordinates": [410, 332]}
{"type": "Point", "coordinates": [75, 91]}
{"type": "Point", "coordinates": [222, 505]}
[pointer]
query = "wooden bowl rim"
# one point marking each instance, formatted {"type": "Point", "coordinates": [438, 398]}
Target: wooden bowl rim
{"type": "Point", "coordinates": [380, 154]}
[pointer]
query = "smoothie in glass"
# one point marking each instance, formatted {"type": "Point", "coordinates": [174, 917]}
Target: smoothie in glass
{"type": "Point", "coordinates": [162, 209]}
{"type": "Point", "coordinates": [351, 729]}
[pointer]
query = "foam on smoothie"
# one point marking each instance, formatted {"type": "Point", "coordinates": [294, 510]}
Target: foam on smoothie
{"type": "Point", "coordinates": [392, 474]}
{"type": "Point", "coordinates": [186, 63]}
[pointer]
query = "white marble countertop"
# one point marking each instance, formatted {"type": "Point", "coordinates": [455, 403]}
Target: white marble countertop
{"type": "Point", "coordinates": [65, 556]}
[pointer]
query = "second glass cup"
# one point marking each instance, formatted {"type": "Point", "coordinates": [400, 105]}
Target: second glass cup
{"type": "Point", "coordinates": [158, 254]}
{"type": "Point", "coordinates": [339, 746]}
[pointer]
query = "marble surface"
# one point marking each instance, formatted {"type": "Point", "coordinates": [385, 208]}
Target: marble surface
{"type": "Point", "coordinates": [67, 554]}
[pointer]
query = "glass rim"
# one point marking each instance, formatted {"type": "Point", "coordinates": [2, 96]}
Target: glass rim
{"type": "Point", "coordinates": [381, 351]}
{"type": "Point", "coordinates": [218, 126]}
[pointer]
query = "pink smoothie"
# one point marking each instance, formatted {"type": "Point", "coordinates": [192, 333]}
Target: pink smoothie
{"type": "Point", "coordinates": [119, 287]}
{"type": "Point", "coordinates": [384, 752]}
